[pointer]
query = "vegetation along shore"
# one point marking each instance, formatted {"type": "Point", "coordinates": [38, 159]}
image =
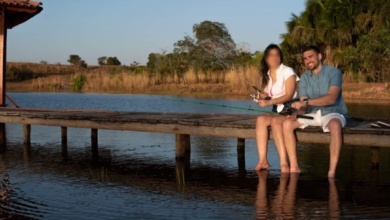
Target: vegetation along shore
{"type": "Point", "coordinates": [28, 77]}
{"type": "Point", "coordinates": [354, 35]}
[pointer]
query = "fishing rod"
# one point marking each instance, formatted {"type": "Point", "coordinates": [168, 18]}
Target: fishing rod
{"type": "Point", "coordinates": [287, 112]}
{"type": "Point", "coordinates": [221, 105]}
{"type": "Point", "coordinates": [255, 97]}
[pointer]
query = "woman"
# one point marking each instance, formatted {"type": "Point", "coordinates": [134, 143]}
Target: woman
{"type": "Point", "coordinates": [278, 84]}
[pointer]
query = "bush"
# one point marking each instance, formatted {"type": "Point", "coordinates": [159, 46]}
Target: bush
{"type": "Point", "coordinates": [17, 74]}
{"type": "Point", "coordinates": [79, 82]}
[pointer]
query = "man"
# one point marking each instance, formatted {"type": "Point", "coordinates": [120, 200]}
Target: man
{"type": "Point", "coordinates": [321, 94]}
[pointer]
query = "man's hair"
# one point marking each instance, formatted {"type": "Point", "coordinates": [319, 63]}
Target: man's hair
{"type": "Point", "coordinates": [311, 47]}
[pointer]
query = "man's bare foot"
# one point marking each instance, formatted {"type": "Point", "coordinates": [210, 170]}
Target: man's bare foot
{"type": "Point", "coordinates": [295, 170]}
{"type": "Point", "coordinates": [262, 166]}
{"type": "Point", "coordinates": [284, 168]}
{"type": "Point", "coordinates": [331, 174]}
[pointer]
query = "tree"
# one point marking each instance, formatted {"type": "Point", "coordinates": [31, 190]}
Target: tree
{"type": "Point", "coordinates": [134, 64]}
{"type": "Point", "coordinates": [102, 60]}
{"type": "Point", "coordinates": [152, 64]}
{"type": "Point", "coordinates": [214, 41]}
{"type": "Point", "coordinates": [77, 61]}
{"type": "Point", "coordinates": [74, 59]}
{"type": "Point", "coordinates": [338, 27]}
{"type": "Point", "coordinates": [113, 61]}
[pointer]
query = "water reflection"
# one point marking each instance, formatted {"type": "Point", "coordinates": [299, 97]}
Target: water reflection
{"type": "Point", "coordinates": [134, 175]}
{"type": "Point", "coordinates": [282, 204]}
{"type": "Point", "coordinates": [334, 202]}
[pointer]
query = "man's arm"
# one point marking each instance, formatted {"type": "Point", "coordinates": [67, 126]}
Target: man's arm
{"type": "Point", "coordinates": [328, 99]}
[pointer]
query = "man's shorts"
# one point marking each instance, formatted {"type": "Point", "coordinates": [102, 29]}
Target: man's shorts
{"type": "Point", "coordinates": [320, 120]}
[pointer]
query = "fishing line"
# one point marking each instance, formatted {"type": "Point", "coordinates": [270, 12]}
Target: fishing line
{"type": "Point", "coordinates": [220, 105]}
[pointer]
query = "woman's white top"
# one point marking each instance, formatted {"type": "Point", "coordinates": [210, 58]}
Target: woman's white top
{"type": "Point", "coordinates": [278, 89]}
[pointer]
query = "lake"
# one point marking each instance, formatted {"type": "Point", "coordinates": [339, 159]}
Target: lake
{"type": "Point", "coordinates": [136, 175]}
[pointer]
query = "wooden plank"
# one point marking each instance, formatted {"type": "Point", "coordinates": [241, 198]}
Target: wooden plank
{"type": "Point", "coordinates": [303, 136]}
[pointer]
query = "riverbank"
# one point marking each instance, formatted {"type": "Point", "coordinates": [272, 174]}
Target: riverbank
{"type": "Point", "coordinates": [351, 91]}
{"type": "Point", "coordinates": [118, 79]}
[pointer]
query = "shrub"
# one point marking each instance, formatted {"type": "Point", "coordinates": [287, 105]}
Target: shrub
{"type": "Point", "coordinates": [79, 82]}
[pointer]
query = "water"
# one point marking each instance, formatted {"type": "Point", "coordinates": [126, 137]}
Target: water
{"type": "Point", "coordinates": [137, 177]}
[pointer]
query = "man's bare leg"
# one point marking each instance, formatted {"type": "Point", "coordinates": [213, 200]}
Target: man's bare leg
{"type": "Point", "coordinates": [262, 123]}
{"type": "Point", "coordinates": [290, 141]}
{"type": "Point", "coordinates": [277, 133]}
{"type": "Point", "coordinates": [334, 127]}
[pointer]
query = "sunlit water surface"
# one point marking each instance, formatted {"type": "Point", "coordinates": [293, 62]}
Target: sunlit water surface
{"type": "Point", "coordinates": [136, 175]}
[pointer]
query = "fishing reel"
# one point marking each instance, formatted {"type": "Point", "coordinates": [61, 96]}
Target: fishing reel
{"type": "Point", "coordinates": [256, 98]}
{"type": "Point", "coordinates": [288, 111]}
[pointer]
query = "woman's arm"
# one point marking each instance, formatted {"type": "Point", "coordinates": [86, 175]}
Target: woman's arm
{"type": "Point", "coordinates": [289, 93]}
{"type": "Point", "coordinates": [290, 85]}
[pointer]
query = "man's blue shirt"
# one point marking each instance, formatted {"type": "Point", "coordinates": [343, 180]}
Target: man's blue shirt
{"type": "Point", "coordinates": [314, 86]}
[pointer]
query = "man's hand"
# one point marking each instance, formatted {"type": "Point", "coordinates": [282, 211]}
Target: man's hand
{"type": "Point", "coordinates": [299, 105]}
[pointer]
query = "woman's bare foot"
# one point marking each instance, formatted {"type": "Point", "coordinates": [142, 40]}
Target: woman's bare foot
{"type": "Point", "coordinates": [262, 166]}
{"type": "Point", "coordinates": [331, 174]}
{"type": "Point", "coordinates": [284, 168]}
{"type": "Point", "coordinates": [295, 170]}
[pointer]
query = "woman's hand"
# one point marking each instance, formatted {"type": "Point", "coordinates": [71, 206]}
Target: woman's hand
{"type": "Point", "coordinates": [263, 95]}
{"type": "Point", "coordinates": [264, 103]}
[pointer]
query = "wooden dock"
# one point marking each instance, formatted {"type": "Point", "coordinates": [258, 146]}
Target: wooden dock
{"type": "Point", "coordinates": [357, 133]}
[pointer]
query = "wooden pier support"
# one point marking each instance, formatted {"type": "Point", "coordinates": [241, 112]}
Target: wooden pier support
{"type": "Point", "coordinates": [374, 158]}
{"type": "Point", "coordinates": [3, 138]}
{"type": "Point", "coordinates": [241, 155]}
{"type": "Point", "coordinates": [64, 140]}
{"type": "Point", "coordinates": [183, 145]}
{"type": "Point", "coordinates": [27, 134]}
{"type": "Point", "coordinates": [3, 54]}
{"type": "Point", "coordinates": [241, 144]}
{"type": "Point", "coordinates": [94, 143]}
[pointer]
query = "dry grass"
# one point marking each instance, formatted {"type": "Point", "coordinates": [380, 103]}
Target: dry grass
{"type": "Point", "coordinates": [122, 80]}
{"type": "Point", "coordinates": [105, 80]}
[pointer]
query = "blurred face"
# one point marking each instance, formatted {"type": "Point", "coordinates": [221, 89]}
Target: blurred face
{"type": "Point", "coordinates": [311, 59]}
{"type": "Point", "coordinates": [273, 59]}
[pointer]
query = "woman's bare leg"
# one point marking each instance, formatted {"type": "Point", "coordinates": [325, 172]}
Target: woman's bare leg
{"type": "Point", "coordinates": [277, 133]}
{"type": "Point", "coordinates": [290, 141]}
{"type": "Point", "coordinates": [262, 124]}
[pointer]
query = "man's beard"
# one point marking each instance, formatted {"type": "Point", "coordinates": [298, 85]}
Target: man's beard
{"type": "Point", "coordinates": [315, 65]}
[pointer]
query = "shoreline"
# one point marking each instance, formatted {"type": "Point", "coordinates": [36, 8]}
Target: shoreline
{"type": "Point", "coordinates": [352, 92]}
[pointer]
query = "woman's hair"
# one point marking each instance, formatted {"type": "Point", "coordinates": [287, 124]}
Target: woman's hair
{"type": "Point", "coordinates": [264, 66]}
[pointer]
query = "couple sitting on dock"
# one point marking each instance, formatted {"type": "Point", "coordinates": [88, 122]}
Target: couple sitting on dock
{"type": "Point", "coordinates": [320, 97]}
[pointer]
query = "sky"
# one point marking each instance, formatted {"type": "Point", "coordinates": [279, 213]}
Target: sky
{"type": "Point", "coordinates": [131, 29]}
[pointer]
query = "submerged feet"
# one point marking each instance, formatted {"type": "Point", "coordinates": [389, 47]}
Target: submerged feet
{"type": "Point", "coordinates": [262, 166]}
{"type": "Point", "coordinates": [295, 170]}
{"type": "Point", "coordinates": [284, 168]}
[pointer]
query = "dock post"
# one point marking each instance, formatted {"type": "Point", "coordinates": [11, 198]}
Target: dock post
{"type": "Point", "coordinates": [241, 155]}
{"type": "Point", "coordinates": [27, 134]}
{"type": "Point", "coordinates": [241, 144]}
{"type": "Point", "coordinates": [183, 145]}
{"type": "Point", "coordinates": [374, 157]}
{"type": "Point", "coordinates": [3, 138]}
{"type": "Point", "coordinates": [94, 142]}
{"type": "Point", "coordinates": [64, 140]}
